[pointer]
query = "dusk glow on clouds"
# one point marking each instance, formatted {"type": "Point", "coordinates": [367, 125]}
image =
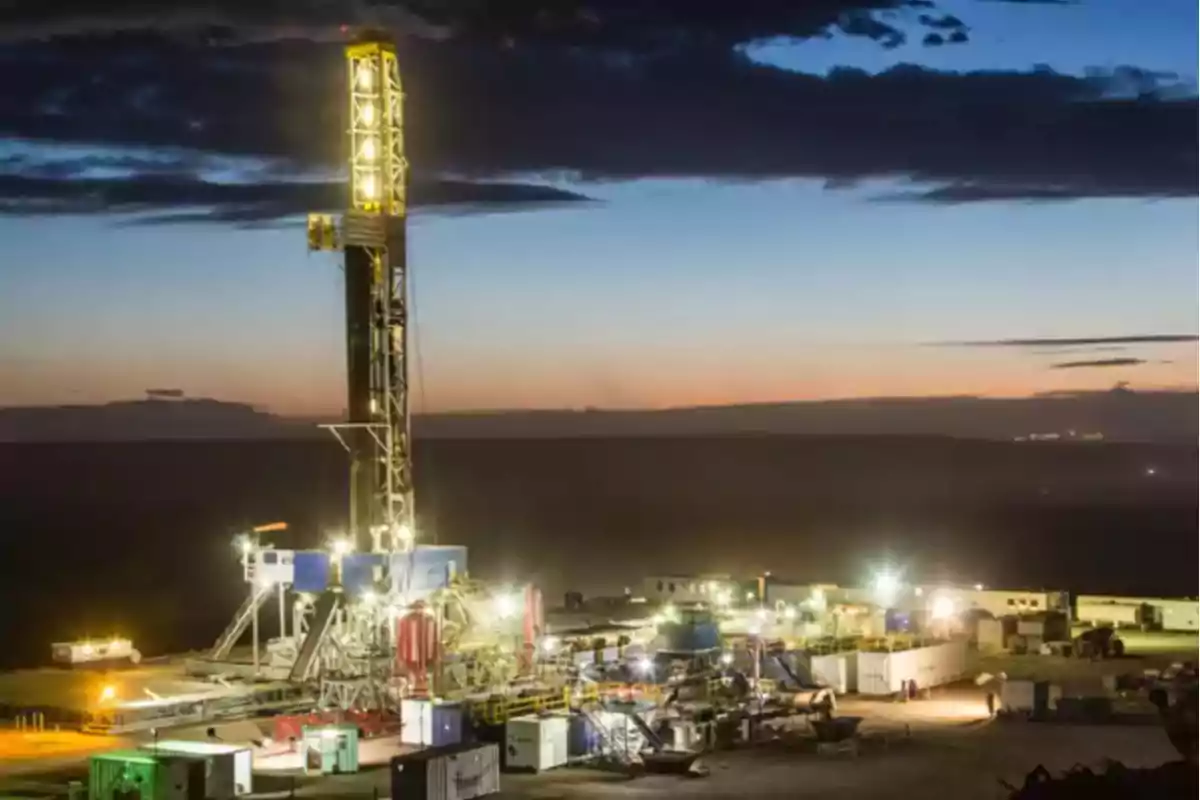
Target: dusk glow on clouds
{"type": "Point", "coordinates": [664, 292]}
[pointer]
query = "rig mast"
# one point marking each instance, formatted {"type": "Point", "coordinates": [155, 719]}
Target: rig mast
{"type": "Point", "coordinates": [373, 238]}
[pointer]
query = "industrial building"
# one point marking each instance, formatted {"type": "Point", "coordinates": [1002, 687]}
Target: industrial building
{"type": "Point", "coordinates": [691, 589]}
{"type": "Point", "coordinates": [997, 602]}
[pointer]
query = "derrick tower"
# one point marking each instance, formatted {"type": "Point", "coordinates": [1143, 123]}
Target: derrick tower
{"type": "Point", "coordinates": [372, 235]}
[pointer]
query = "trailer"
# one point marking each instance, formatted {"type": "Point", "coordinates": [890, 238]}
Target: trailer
{"type": "Point", "coordinates": [1129, 615]}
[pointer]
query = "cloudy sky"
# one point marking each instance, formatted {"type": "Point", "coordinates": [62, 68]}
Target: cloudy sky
{"type": "Point", "coordinates": [619, 204]}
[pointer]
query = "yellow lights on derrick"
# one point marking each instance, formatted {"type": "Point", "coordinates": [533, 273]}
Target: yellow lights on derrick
{"type": "Point", "coordinates": [377, 170]}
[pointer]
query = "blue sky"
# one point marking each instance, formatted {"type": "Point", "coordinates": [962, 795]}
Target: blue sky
{"type": "Point", "coordinates": [667, 293]}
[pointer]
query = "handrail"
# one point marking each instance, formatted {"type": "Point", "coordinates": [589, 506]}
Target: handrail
{"type": "Point", "coordinates": [498, 710]}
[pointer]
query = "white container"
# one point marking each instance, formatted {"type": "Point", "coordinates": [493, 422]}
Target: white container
{"type": "Point", "coordinates": [472, 773]}
{"type": "Point", "coordinates": [1179, 615]}
{"type": "Point", "coordinates": [989, 634]}
{"type": "Point", "coordinates": [838, 671]}
{"type": "Point", "coordinates": [1017, 697]}
{"type": "Point", "coordinates": [459, 772]}
{"type": "Point", "coordinates": [536, 743]}
{"type": "Point", "coordinates": [1108, 614]}
{"type": "Point", "coordinates": [231, 768]}
{"type": "Point", "coordinates": [887, 673]}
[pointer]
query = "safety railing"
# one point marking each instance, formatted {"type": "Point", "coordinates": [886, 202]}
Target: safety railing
{"type": "Point", "coordinates": [498, 710]}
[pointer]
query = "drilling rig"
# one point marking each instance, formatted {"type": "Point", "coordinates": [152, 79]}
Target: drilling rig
{"type": "Point", "coordinates": [351, 603]}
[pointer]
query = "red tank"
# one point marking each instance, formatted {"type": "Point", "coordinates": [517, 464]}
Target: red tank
{"type": "Point", "coordinates": [418, 646]}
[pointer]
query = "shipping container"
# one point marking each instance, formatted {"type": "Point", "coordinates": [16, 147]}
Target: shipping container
{"type": "Point", "coordinates": [430, 723]}
{"type": "Point", "coordinates": [139, 775]}
{"type": "Point", "coordinates": [311, 571]}
{"type": "Point", "coordinates": [230, 772]}
{"type": "Point", "coordinates": [330, 749]}
{"type": "Point", "coordinates": [536, 743]}
{"type": "Point", "coordinates": [457, 772]}
{"type": "Point", "coordinates": [1018, 697]}
{"type": "Point", "coordinates": [884, 673]}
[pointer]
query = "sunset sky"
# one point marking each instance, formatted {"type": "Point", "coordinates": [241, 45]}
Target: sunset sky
{"type": "Point", "coordinates": [665, 292]}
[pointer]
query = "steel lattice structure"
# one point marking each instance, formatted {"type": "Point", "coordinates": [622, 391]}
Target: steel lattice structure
{"type": "Point", "coordinates": [377, 432]}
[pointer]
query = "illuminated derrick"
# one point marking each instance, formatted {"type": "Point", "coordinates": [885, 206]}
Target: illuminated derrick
{"type": "Point", "coordinates": [372, 235]}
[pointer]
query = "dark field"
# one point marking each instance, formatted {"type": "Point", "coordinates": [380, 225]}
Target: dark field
{"type": "Point", "coordinates": [135, 538]}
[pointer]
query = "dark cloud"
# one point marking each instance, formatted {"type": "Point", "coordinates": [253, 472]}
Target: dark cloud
{"type": "Point", "coordinates": [1152, 338]}
{"type": "Point", "coordinates": [638, 26]}
{"type": "Point", "coordinates": [607, 91]}
{"type": "Point", "coordinates": [180, 198]}
{"type": "Point", "coordinates": [1100, 362]}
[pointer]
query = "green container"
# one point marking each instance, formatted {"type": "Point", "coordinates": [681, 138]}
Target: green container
{"type": "Point", "coordinates": [138, 775]}
{"type": "Point", "coordinates": [123, 775]}
{"type": "Point", "coordinates": [330, 749]}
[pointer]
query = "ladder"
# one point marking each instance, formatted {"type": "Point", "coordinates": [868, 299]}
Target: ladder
{"type": "Point", "coordinates": [241, 620]}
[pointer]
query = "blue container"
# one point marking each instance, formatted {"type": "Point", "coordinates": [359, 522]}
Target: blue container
{"type": "Point", "coordinates": [426, 569]}
{"type": "Point", "coordinates": [582, 737]}
{"type": "Point", "coordinates": [358, 572]}
{"type": "Point", "coordinates": [311, 571]}
{"type": "Point", "coordinates": [690, 637]}
{"type": "Point", "coordinates": [446, 728]}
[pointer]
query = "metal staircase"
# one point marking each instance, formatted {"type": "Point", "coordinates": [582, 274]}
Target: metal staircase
{"type": "Point", "coordinates": [241, 620]}
{"type": "Point", "coordinates": [324, 610]}
{"type": "Point", "coordinates": [618, 751]}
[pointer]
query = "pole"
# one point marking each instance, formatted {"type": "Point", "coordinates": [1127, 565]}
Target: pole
{"type": "Point", "coordinates": [254, 635]}
{"type": "Point", "coordinates": [282, 611]}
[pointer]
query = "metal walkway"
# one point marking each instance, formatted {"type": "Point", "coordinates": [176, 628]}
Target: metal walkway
{"type": "Point", "coordinates": [241, 620]}
{"type": "Point", "coordinates": [324, 611]}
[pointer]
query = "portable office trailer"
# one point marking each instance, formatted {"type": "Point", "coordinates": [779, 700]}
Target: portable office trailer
{"type": "Point", "coordinates": [456, 772]}
{"type": "Point", "coordinates": [1116, 614]}
{"type": "Point", "coordinates": [230, 771]}
{"type": "Point", "coordinates": [1179, 615]}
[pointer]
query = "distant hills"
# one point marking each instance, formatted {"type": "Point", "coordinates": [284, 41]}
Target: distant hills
{"type": "Point", "coordinates": [1116, 415]}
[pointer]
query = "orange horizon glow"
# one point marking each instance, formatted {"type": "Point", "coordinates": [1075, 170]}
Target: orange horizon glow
{"type": "Point", "coordinates": [312, 388]}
